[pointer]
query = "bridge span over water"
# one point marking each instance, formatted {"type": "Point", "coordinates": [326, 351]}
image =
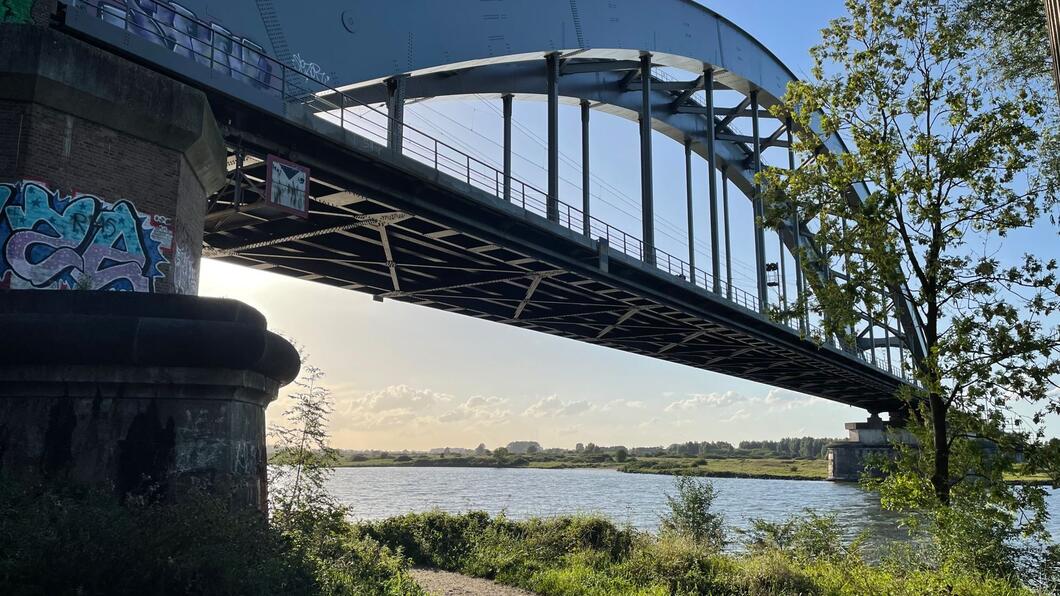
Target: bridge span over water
{"type": "Point", "coordinates": [402, 215]}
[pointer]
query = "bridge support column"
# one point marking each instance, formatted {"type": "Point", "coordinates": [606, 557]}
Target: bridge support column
{"type": "Point", "coordinates": [552, 207]}
{"type": "Point", "coordinates": [646, 199]}
{"type": "Point", "coordinates": [395, 110]}
{"type": "Point", "coordinates": [712, 181]}
{"type": "Point", "coordinates": [849, 460]}
{"type": "Point", "coordinates": [796, 230]}
{"type": "Point", "coordinates": [690, 211]}
{"type": "Point", "coordinates": [506, 103]}
{"type": "Point", "coordinates": [104, 175]}
{"type": "Point", "coordinates": [728, 243]}
{"type": "Point", "coordinates": [585, 168]}
{"type": "Point", "coordinates": [759, 211]}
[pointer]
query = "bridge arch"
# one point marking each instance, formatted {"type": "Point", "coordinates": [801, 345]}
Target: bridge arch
{"type": "Point", "coordinates": [464, 47]}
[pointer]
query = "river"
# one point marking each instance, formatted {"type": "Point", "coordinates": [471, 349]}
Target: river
{"type": "Point", "coordinates": [635, 499]}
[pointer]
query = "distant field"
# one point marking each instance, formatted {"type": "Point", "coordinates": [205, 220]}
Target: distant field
{"type": "Point", "coordinates": [798, 469]}
{"type": "Point", "coordinates": [728, 467]}
{"type": "Point", "coordinates": [795, 469]}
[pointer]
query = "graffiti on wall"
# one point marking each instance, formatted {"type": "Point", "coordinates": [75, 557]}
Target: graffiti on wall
{"type": "Point", "coordinates": [185, 272]}
{"type": "Point", "coordinates": [51, 241]}
{"type": "Point", "coordinates": [171, 25]}
{"type": "Point", "coordinates": [310, 70]}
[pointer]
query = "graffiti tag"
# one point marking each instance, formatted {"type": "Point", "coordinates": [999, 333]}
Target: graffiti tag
{"type": "Point", "coordinates": [50, 241]}
{"type": "Point", "coordinates": [310, 70]}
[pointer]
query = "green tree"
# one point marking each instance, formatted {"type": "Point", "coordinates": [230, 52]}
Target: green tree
{"type": "Point", "coordinates": [952, 157]}
{"type": "Point", "coordinates": [621, 454]}
{"type": "Point", "coordinates": [690, 512]}
{"type": "Point", "coordinates": [1015, 36]}
{"type": "Point", "coordinates": [303, 452]}
{"type": "Point", "coordinates": [501, 454]}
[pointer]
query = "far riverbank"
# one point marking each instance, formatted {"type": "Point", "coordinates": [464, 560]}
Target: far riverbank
{"type": "Point", "coordinates": [750, 468]}
{"type": "Point", "coordinates": [760, 468]}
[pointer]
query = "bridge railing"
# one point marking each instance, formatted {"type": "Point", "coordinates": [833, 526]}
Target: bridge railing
{"type": "Point", "coordinates": [174, 27]}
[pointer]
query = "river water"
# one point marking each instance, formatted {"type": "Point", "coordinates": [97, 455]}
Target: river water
{"type": "Point", "coordinates": [635, 499]}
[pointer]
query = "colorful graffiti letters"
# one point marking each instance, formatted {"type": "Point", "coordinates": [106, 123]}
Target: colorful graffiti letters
{"type": "Point", "coordinates": [171, 25]}
{"type": "Point", "coordinates": [48, 241]}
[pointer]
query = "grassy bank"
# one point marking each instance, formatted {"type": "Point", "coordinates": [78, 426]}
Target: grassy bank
{"type": "Point", "coordinates": [789, 469]}
{"type": "Point", "coordinates": [65, 541]}
{"type": "Point", "coordinates": [590, 556]}
{"type": "Point", "coordinates": [714, 467]}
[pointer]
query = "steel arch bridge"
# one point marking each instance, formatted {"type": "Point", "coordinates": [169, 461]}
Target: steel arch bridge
{"type": "Point", "coordinates": [399, 214]}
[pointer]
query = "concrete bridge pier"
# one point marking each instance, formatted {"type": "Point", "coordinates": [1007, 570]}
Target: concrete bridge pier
{"type": "Point", "coordinates": [112, 371]}
{"type": "Point", "coordinates": [874, 438]}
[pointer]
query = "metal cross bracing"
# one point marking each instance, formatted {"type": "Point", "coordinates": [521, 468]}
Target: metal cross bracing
{"type": "Point", "coordinates": [269, 105]}
{"type": "Point", "coordinates": [369, 245]}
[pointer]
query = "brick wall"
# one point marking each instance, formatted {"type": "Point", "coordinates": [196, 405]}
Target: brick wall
{"type": "Point", "coordinates": [42, 11]}
{"type": "Point", "coordinates": [90, 134]}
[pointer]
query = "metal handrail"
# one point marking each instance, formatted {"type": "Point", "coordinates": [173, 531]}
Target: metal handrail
{"type": "Point", "coordinates": [245, 61]}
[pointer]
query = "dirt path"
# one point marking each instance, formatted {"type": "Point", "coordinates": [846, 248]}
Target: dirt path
{"type": "Point", "coordinates": [446, 583]}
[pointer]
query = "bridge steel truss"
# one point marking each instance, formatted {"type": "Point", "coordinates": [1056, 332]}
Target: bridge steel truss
{"type": "Point", "coordinates": [401, 215]}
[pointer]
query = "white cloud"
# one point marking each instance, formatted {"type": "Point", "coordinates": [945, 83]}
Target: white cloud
{"type": "Point", "coordinates": [391, 407]}
{"type": "Point", "coordinates": [701, 400]}
{"type": "Point", "coordinates": [398, 396]}
{"type": "Point", "coordinates": [478, 409]}
{"type": "Point", "coordinates": [783, 400]}
{"type": "Point", "coordinates": [740, 414]}
{"type": "Point", "coordinates": [554, 407]}
{"type": "Point", "coordinates": [775, 400]}
{"type": "Point", "coordinates": [617, 403]}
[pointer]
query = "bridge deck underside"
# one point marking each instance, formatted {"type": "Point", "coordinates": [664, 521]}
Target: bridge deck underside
{"type": "Point", "coordinates": [355, 242]}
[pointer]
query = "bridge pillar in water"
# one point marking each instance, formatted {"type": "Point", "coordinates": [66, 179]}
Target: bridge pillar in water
{"type": "Point", "coordinates": [105, 167]}
{"type": "Point", "coordinates": [874, 438]}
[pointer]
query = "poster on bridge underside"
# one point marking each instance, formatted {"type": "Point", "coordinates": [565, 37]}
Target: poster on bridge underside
{"type": "Point", "coordinates": [287, 186]}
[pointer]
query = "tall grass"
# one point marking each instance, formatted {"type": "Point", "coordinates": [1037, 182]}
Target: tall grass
{"type": "Point", "coordinates": [588, 555]}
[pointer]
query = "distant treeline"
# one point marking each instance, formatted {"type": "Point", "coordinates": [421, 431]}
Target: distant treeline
{"type": "Point", "coordinates": [788, 447]}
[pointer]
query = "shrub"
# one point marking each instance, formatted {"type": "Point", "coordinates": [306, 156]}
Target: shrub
{"type": "Point", "coordinates": [808, 538]}
{"type": "Point", "coordinates": [772, 573]}
{"type": "Point", "coordinates": [679, 564]}
{"type": "Point", "coordinates": [690, 512]}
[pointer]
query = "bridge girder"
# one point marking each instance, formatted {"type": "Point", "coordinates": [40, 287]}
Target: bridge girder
{"type": "Point", "coordinates": [444, 39]}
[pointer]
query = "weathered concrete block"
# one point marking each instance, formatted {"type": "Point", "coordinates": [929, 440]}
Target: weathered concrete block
{"type": "Point", "coordinates": [139, 393]}
{"type": "Point", "coordinates": [867, 442]}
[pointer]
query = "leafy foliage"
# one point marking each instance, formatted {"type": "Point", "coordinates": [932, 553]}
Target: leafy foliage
{"type": "Point", "coordinates": [583, 555]}
{"type": "Point", "coordinates": [954, 161]}
{"type": "Point", "coordinates": [955, 157]}
{"type": "Point", "coordinates": [810, 538]}
{"type": "Point", "coordinates": [1015, 36]}
{"type": "Point", "coordinates": [690, 512]}
{"type": "Point", "coordinates": [302, 448]}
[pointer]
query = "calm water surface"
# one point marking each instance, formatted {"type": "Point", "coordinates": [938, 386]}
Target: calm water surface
{"type": "Point", "coordinates": [636, 499]}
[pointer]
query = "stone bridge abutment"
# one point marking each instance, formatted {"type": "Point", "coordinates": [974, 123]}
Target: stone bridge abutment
{"type": "Point", "coordinates": [112, 371]}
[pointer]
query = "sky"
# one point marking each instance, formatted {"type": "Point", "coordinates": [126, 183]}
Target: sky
{"type": "Point", "coordinates": [409, 377]}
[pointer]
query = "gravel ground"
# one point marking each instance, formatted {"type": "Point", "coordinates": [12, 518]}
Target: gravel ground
{"type": "Point", "coordinates": [445, 583]}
